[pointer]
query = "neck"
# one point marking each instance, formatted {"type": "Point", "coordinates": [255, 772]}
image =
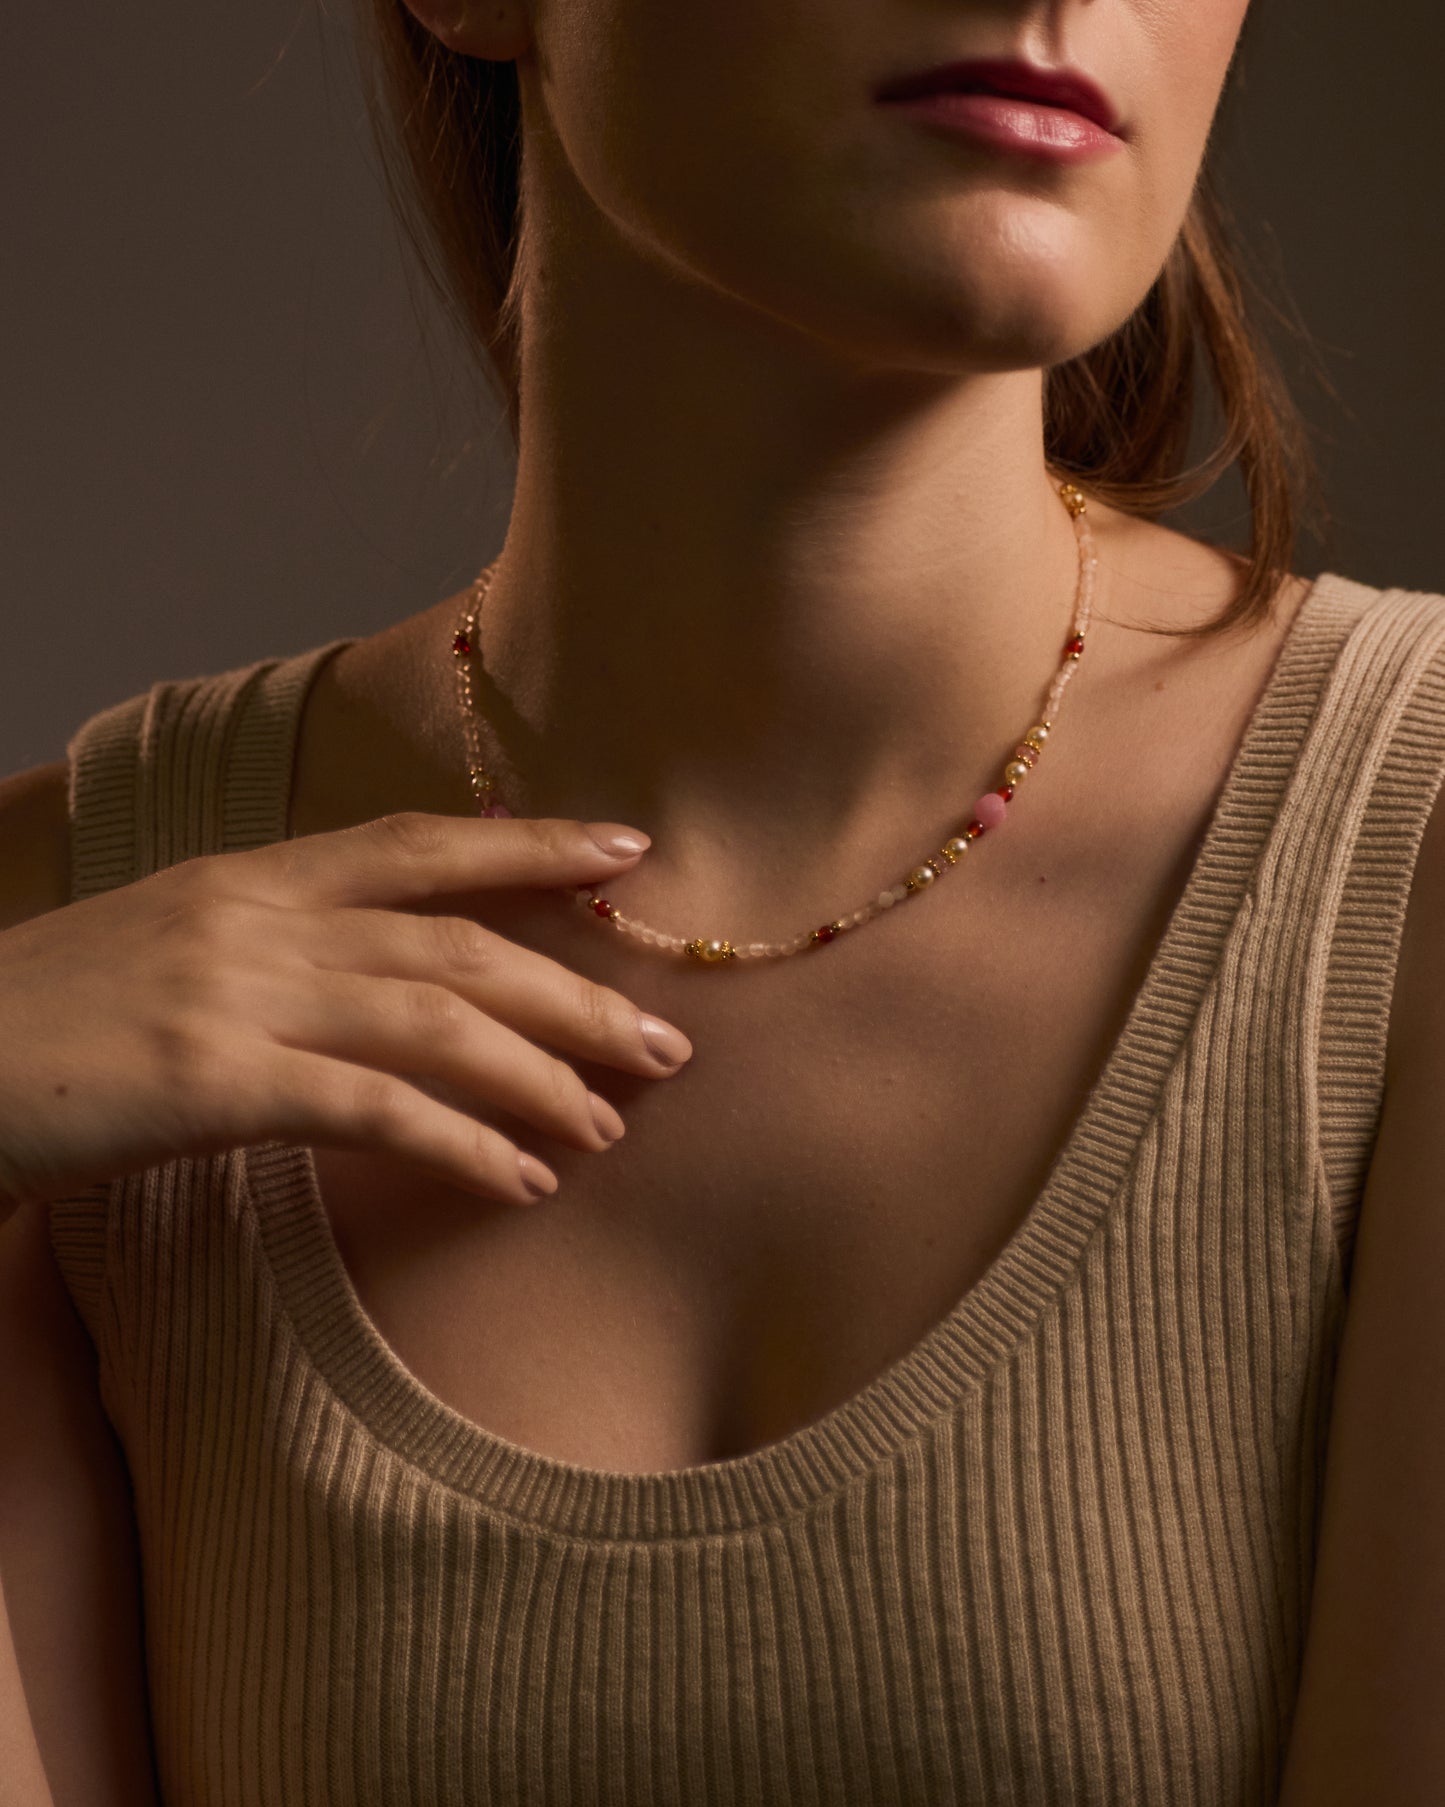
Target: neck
{"type": "Point", "coordinates": [759, 604]}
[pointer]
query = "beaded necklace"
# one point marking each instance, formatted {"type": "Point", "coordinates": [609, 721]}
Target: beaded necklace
{"type": "Point", "coordinates": [988, 812]}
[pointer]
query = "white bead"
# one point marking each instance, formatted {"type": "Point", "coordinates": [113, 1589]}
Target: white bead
{"type": "Point", "coordinates": [885, 900]}
{"type": "Point", "coordinates": [898, 893]}
{"type": "Point", "coordinates": [757, 949]}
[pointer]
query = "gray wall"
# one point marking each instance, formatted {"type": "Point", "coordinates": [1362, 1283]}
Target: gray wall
{"type": "Point", "coordinates": [234, 430]}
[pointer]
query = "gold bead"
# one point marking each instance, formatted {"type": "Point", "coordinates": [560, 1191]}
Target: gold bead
{"type": "Point", "coordinates": [956, 848]}
{"type": "Point", "coordinates": [920, 877]}
{"type": "Point", "coordinates": [1073, 498]}
{"type": "Point", "coordinates": [711, 953]}
{"type": "Point", "coordinates": [1015, 772]}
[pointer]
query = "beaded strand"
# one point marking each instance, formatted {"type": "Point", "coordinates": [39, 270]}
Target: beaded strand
{"type": "Point", "coordinates": [989, 812]}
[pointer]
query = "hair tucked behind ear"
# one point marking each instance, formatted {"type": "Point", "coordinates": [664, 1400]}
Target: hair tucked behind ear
{"type": "Point", "coordinates": [1118, 419]}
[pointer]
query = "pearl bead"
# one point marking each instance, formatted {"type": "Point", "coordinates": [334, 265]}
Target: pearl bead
{"type": "Point", "coordinates": [1038, 734]}
{"type": "Point", "coordinates": [958, 846]}
{"type": "Point", "coordinates": [922, 876]}
{"type": "Point", "coordinates": [1015, 772]}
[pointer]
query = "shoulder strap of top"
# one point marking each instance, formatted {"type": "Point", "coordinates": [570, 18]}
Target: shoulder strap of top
{"type": "Point", "coordinates": [1342, 858]}
{"type": "Point", "coordinates": [192, 766]}
{"type": "Point", "coordinates": [199, 765]}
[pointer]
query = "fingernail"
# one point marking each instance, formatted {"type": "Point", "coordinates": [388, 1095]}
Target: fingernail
{"type": "Point", "coordinates": [608, 1122]}
{"type": "Point", "coordinates": [670, 1045]}
{"type": "Point", "coordinates": [540, 1181]}
{"type": "Point", "coordinates": [612, 837]}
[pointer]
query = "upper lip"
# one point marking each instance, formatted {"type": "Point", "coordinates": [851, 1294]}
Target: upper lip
{"type": "Point", "coordinates": [1009, 75]}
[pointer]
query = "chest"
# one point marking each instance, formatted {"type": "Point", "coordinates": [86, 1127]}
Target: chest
{"type": "Point", "coordinates": [848, 1150]}
{"type": "Point", "coordinates": [861, 1129]}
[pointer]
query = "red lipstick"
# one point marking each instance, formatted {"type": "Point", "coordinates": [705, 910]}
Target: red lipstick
{"type": "Point", "coordinates": [1006, 104]}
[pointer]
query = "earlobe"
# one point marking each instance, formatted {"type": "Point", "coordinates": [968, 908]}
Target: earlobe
{"type": "Point", "coordinates": [496, 30]}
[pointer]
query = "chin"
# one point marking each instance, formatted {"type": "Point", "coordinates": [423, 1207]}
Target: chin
{"type": "Point", "coordinates": [1012, 291]}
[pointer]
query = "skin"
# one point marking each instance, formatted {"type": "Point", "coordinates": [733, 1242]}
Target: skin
{"type": "Point", "coordinates": [782, 491]}
{"type": "Point", "coordinates": [781, 483]}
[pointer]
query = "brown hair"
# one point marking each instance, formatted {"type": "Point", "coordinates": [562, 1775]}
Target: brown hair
{"type": "Point", "coordinates": [1118, 420]}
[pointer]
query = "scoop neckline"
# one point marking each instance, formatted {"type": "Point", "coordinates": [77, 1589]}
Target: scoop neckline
{"type": "Point", "coordinates": [952, 1360]}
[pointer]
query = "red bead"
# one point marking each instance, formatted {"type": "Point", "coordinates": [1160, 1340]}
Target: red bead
{"type": "Point", "coordinates": [975, 829]}
{"type": "Point", "coordinates": [1075, 646]}
{"type": "Point", "coordinates": [826, 933]}
{"type": "Point", "coordinates": [1006, 791]}
{"type": "Point", "coordinates": [601, 906]}
{"type": "Point", "coordinates": [461, 646]}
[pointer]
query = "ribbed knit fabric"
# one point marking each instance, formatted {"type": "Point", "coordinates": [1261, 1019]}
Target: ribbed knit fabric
{"type": "Point", "coordinates": [1059, 1553]}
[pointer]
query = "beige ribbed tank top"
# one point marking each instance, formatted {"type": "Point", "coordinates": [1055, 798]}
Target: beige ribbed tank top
{"type": "Point", "coordinates": [1060, 1552]}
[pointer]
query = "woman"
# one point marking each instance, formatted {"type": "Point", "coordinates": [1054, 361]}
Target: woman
{"type": "Point", "coordinates": [927, 1401]}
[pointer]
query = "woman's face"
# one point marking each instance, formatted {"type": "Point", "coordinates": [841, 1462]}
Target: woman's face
{"type": "Point", "coordinates": [738, 144]}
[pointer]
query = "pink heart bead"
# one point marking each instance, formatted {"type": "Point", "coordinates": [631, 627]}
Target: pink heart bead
{"type": "Point", "coordinates": [990, 809]}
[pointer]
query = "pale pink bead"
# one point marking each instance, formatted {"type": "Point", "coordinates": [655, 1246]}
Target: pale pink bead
{"type": "Point", "coordinates": [757, 949]}
{"type": "Point", "coordinates": [990, 809]}
{"type": "Point", "coordinates": [497, 809]}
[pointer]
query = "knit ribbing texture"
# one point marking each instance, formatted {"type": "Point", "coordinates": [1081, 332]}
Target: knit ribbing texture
{"type": "Point", "coordinates": [1057, 1555]}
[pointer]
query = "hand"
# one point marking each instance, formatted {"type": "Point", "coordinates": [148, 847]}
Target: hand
{"type": "Point", "coordinates": [280, 994]}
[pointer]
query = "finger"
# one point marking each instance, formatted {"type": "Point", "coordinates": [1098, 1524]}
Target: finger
{"type": "Point", "coordinates": [405, 1027]}
{"type": "Point", "coordinates": [335, 1104]}
{"type": "Point", "coordinates": [537, 996]}
{"type": "Point", "coordinates": [411, 856]}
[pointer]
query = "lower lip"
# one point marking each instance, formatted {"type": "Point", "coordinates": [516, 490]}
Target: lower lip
{"type": "Point", "coordinates": [1003, 123]}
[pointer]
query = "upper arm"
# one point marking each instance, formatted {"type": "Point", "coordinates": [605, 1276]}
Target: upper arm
{"type": "Point", "coordinates": [68, 1546]}
{"type": "Point", "coordinates": [74, 1720]}
{"type": "Point", "coordinates": [34, 843]}
{"type": "Point", "coordinates": [1370, 1718]}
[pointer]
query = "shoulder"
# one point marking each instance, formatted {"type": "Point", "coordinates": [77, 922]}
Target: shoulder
{"type": "Point", "coordinates": [34, 842]}
{"type": "Point", "coordinates": [1368, 1725]}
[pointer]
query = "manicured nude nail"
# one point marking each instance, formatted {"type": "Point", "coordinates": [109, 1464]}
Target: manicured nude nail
{"type": "Point", "coordinates": [612, 837]}
{"type": "Point", "coordinates": [670, 1045]}
{"type": "Point", "coordinates": [608, 1122]}
{"type": "Point", "coordinates": [540, 1181]}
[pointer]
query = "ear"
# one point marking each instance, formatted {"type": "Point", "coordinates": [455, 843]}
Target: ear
{"type": "Point", "coordinates": [497, 31]}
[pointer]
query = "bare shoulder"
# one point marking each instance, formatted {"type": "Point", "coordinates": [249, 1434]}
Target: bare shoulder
{"type": "Point", "coordinates": [1158, 576]}
{"type": "Point", "coordinates": [1369, 1724]}
{"type": "Point", "coordinates": [34, 842]}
